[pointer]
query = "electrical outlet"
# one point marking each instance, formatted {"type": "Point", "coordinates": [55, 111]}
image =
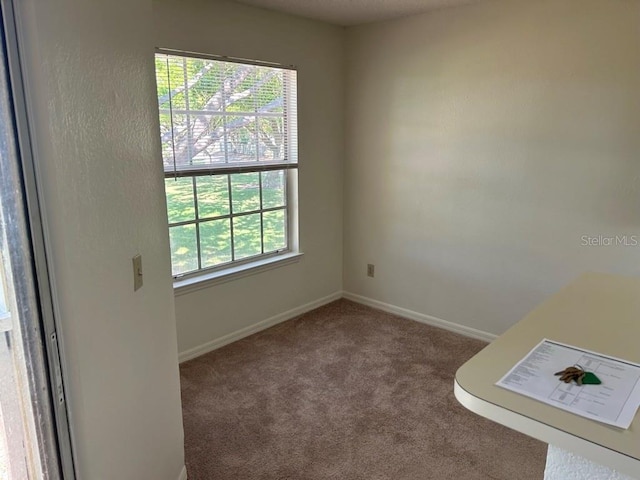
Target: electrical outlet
{"type": "Point", "coordinates": [371, 270]}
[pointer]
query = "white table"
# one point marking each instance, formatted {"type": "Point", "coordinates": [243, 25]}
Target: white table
{"type": "Point", "coordinates": [605, 310]}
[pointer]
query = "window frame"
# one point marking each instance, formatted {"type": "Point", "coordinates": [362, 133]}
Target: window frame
{"type": "Point", "coordinates": [235, 268]}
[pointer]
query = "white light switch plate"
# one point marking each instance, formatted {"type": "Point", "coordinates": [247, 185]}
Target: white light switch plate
{"type": "Point", "coordinates": [137, 272]}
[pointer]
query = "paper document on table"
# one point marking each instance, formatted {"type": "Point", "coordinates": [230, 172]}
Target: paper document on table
{"type": "Point", "coordinates": [613, 402]}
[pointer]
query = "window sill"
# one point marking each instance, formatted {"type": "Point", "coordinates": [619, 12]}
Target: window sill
{"type": "Point", "coordinates": [184, 286]}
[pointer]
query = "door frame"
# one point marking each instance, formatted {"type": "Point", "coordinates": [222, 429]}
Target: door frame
{"type": "Point", "coordinates": [51, 375]}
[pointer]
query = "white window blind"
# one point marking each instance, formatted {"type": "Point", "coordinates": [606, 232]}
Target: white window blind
{"type": "Point", "coordinates": [221, 116]}
{"type": "Point", "coordinates": [228, 129]}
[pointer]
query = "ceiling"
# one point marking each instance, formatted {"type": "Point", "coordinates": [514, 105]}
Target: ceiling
{"type": "Point", "coordinates": [353, 12]}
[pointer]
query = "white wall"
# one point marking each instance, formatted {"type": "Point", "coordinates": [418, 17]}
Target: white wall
{"type": "Point", "coordinates": [482, 143]}
{"type": "Point", "coordinates": [224, 28]}
{"type": "Point", "coordinates": [91, 81]}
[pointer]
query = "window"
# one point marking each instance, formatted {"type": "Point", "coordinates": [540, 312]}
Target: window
{"type": "Point", "coordinates": [229, 149]}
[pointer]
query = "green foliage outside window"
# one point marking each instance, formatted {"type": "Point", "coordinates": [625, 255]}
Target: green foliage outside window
{"type": "Point", "coordinates": [216, 114]}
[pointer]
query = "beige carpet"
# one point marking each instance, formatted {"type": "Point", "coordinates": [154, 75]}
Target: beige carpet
{"type": "Point", "coordinates": [343, 392]}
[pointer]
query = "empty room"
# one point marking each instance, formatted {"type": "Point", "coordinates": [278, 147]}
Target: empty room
{"type": "Point", "coordinates": [292, 239]}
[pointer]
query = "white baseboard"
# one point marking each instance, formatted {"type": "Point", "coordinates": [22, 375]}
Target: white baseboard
{"type": "Point", "coordinates": [282, 317]}
{"type": "Point", "coordinates": [421, 317]}
{"type": "Point", "coordinates": [255, 328]}
{"type": "Point", "coordinates": [183, 474]}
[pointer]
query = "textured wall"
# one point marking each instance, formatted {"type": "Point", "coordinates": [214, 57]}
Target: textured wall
{"type": "Point", "coordinates": [564, 465]}
{"type": "Point", "coordinates": [91, 83]}
{"type": "Point", "coordinates": [482, 143]}
{"type": "Point", "coordinates": [225, 28]}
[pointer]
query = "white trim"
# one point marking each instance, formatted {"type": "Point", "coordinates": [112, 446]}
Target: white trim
{"type": "Point", "coordinates": [192, 284]}
{"type": "Point", "coordinates": [421, 317]}
{"type": "Point", "coordinates": [222, 58]}
{"type": "Point", "coordinates": [256, 327]}
{"type": "Point", "coordinates": [183, 473]}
